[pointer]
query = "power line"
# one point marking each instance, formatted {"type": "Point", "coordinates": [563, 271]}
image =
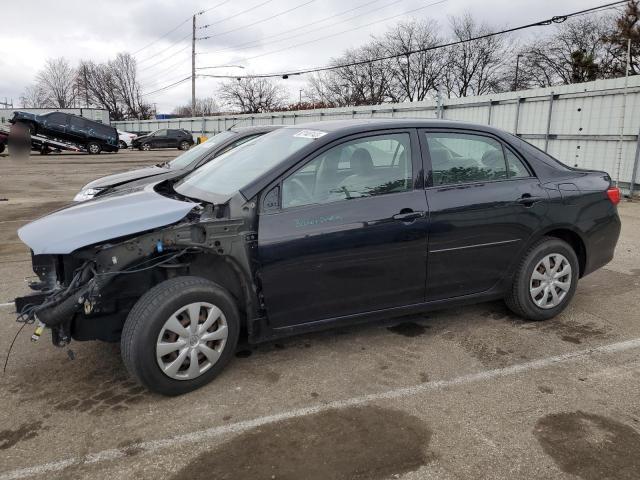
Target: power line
{"type": "Point", "coordinates": [162, 36]}
{"type": "Point", "coordinates": [546, 22]}
{"type": "Point", "coordinates": [166, 87]}
{"type": "Point", "coordinates": [346, 31]}
{"type": "Point", "coordinates": [555, 19]}
{"type": "Point", "coordinates": [257, 22]}
{"type": "Point", "coordinates": [253, 43]}
{"type": "Point", "coordinates": [164, 70]}
{"type": "Point", "coordinates": [154, 56]}
{"type": "Point", "coordinates": [178, 26]}
{"type": "Point", "coordinates": [235, 15]}
{"type": "Point", "coordinates": [202, 12]}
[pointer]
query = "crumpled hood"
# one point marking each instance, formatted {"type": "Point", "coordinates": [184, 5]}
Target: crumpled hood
{"type": "Point", "coordinates": [124, 177]}
{"type": "Point", "coordinates": [102, 219]}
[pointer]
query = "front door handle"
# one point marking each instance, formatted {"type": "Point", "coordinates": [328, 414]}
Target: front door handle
{"type": "Point", "coordinates": [409, 216]}
{"type": "Point", "coordinates": [528, 200]}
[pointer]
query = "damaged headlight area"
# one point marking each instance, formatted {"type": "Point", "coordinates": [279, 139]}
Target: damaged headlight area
{"type": "Point", "coordinates": [88, 293]}
{"type": "Point", "coordinates": [60, 297]}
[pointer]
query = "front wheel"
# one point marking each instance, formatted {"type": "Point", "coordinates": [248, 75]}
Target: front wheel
{"type": "Point", "coordinates": [545, 280]}
{"type": "Point", "coordinates": [146, 147]}
{"type": "Point", "coordinates": [122, 145]}
{"type": "Point", "coordinates": [180, 335]}
{"type": "Point", "coordinates": [184, 145]}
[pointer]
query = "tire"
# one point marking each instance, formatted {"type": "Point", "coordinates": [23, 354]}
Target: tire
{"type": "Point", "coordinates": [146, 328]}
{"type": "Point", "coordinates": [94, 148]}
{"type": "Point", "coordinates": [146, 147]}
{"type": "Point", "coordinates": [184, 145]}
{"type": "Point", "coordinates": [122, 145]}
{"type": "Point", "coordinates": [532, 280]}
{"type": "Point", "coordinates": [1, 147]}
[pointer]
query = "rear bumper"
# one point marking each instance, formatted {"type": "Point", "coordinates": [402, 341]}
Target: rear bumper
{"type": "Point", "coordinates": [601, 243]}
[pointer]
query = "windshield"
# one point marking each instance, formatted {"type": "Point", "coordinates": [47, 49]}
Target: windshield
{"type": "Point", "coordinates": [184, 160]}
{"type": "Point", "coordinates": [233, 170]}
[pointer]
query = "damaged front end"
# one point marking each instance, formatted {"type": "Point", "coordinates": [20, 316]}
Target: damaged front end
{"type": "Point", "coordinates": [86, 294]}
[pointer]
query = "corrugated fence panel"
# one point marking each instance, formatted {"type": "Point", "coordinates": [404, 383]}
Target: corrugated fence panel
{"type": "Point", "coordinates": [584, 128]}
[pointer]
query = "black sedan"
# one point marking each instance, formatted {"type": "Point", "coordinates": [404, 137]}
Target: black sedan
{"type": "Point", "coordinates": [184, 163]}
{"type": "Point", "coordinates": [315, 226]}
{"type": "Point", "coordinates": [165, 138]}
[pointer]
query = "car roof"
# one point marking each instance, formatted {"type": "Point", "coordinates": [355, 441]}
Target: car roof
{"type": "Point", "coordinates": [255, 129]}
{"type": "Point", "coordinates": [356, 125]}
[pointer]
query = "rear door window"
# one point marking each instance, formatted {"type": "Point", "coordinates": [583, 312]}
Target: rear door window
{"type": "Point", "coordinates": [465, 158]}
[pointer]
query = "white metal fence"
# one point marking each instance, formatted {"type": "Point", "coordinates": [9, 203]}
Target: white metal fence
{"type": "Point", "coordinates": [589, 125]}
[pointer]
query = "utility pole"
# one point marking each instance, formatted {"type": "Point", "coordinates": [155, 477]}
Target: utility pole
{"type": "Point", "coordinates": [193, 68]}
{"type": "Point", "coordinates": [515, 82]}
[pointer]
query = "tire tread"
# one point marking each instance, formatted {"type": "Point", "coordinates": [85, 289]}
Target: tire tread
{"type": "Point", "coordinates": [145, 306]}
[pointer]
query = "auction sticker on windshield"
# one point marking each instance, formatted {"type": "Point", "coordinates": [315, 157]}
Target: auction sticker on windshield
{"type": "Point", "coordinates": [310, 134]}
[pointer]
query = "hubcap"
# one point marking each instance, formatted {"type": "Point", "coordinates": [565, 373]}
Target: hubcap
{"type": "Point", "coordinates": [550, 281]}
{"type": "Point", "coordinates": [93, 148]}
{"type": "Point", "coordinates": [191, 341]}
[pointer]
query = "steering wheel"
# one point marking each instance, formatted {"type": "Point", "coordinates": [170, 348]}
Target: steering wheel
{"type": "Point", "coordinates": [303, 188]}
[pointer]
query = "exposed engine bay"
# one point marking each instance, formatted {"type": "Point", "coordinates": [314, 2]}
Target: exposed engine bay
{"type": "Point", "coordinates": [87, 294]}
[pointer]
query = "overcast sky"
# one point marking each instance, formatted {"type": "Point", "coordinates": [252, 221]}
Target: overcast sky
{"type": "Point", "coordinates": [32, 31]}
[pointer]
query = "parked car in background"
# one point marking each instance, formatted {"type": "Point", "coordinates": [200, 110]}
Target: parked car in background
{"type": "Point", "coordinates": [315, 226]}
{"type": "Point", "coordinates": [182, 164]}
{"type": "Point", "coordinates": [4, 139]}
{"type": "Point", "coordinates": [126, 139]}
{"type": "Point", "coordinates": [165, 138]}
{"type": "Point", "coordinates": [94, 137]}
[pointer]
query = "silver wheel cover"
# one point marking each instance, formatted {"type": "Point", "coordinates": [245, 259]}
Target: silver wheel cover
{"type": "Point", "coordinates": [550, 281]}
{"type": "Point", "coordinates": [191, 341]}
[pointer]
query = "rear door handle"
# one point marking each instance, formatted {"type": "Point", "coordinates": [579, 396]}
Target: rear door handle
{"type": "Point", "coordinates": [408, 216]}
{"type": "Point", "coordinates": [527, 200]}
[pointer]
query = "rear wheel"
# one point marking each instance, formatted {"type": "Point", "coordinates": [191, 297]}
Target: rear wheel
{"type": "Point", "coordinates": [545, 281]}
{"type": "Point", "coordinates": [180, 335]}
{"type": "Point", "coordinates": [94, 148]}
{"type": "Point", "coordinates": [184, 145]}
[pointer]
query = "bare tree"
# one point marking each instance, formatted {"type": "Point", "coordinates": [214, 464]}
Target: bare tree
{"type": "Point", "coordinates": [252, 95]}
{"type": "Point", "coordinates": [100, 85]}
{"type": "Point", "coordinates": [627, 27]}
{"type": "Point", "coordinates": [356, 81]}
{"type": "Point", "coordinates": [577, 51]}
{"type": "Point", "coordinates": [204, 107]}
{"type": "Point", "coordinates": [113, 86]}
{"type": "Point", "coordinates": [413, 76]}
{"type": "Point", "coordinates": [474, 67]}
{"type": "Point", "coordinates": [33, 97]}
{"type": "Point", "coordinates": [124, 71]}
{"type": "Point", "coordinates": [57, 80]}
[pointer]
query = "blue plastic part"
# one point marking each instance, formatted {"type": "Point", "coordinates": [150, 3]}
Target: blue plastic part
{"type": "Point", "coordinates": [159, 246]}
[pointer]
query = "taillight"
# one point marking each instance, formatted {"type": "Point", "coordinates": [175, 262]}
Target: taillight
{"type": "Point", "coordinates": [614, 195]}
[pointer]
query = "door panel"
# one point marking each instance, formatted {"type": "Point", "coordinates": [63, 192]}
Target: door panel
{"type": "Point", "coordinates": [477, 231]}
{"type": "Point", "coordinates": [349, 234]}
{"type": "Point", "coordinates": [342, 258]}
{"type": "Point", "coordinates": [484, 206]}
